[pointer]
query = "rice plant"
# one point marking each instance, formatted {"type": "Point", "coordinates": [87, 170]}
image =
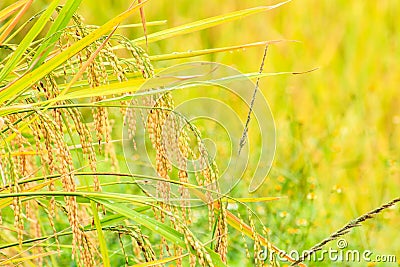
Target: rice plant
{"type": "Point", "coordinates": [58, 88]}
{"type": "Point", "coordinates": [70, 193]}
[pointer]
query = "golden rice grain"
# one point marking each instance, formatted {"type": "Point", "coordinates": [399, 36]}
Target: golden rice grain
{"type": "Point", "coordinates": [246, 248]}
{"type": "Point", "coordinates": [221, 246]}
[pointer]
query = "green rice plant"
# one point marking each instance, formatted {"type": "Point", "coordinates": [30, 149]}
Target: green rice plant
{"type": "Point", "coordinates": [66, 195]}
{"type": "Point", "coordinates": [57, 87]}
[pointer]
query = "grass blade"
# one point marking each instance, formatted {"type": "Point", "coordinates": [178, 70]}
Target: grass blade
{"type": "Point", "coordinates": [143, 18]}
{"type": "Point", "coordinates": [195, 53]}
{"type": "Point", "coordinates": [18, 261]}
{"type": "Point", "coordinates": [150, 223]}
{"type": "Point", "coordinates": [252, 199]}
{"type": "Point", "coordinates": [14, 21]}
{"type": "Point", "coordinates": [54, 32]}
{"type": "Point", "coordinates": [26, 42]}
{"type": "Point", "coordinates": [156, 226]}
{"type": "Point", "coordinates": [8, 11]}
{"type": "Point", "coordinates": [203, 24]}
{"type": "Point", "coordinates": [100, 235]}
{"type": "Point", "coordinates": [19, 86]}
{"type": "Point", "coordinates": [160, 261]}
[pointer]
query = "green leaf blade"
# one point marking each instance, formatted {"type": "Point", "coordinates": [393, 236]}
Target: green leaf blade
{"type": "Point", "coordinates": [55, 30]}
{"type": "Point", "coordinates": [203, 24]}
{"type": "Point", "coordinates": [26, 42]}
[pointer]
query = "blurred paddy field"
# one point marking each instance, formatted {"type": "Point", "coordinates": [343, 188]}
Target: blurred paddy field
{"type": "Point", "coordinates": [338, 128]}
